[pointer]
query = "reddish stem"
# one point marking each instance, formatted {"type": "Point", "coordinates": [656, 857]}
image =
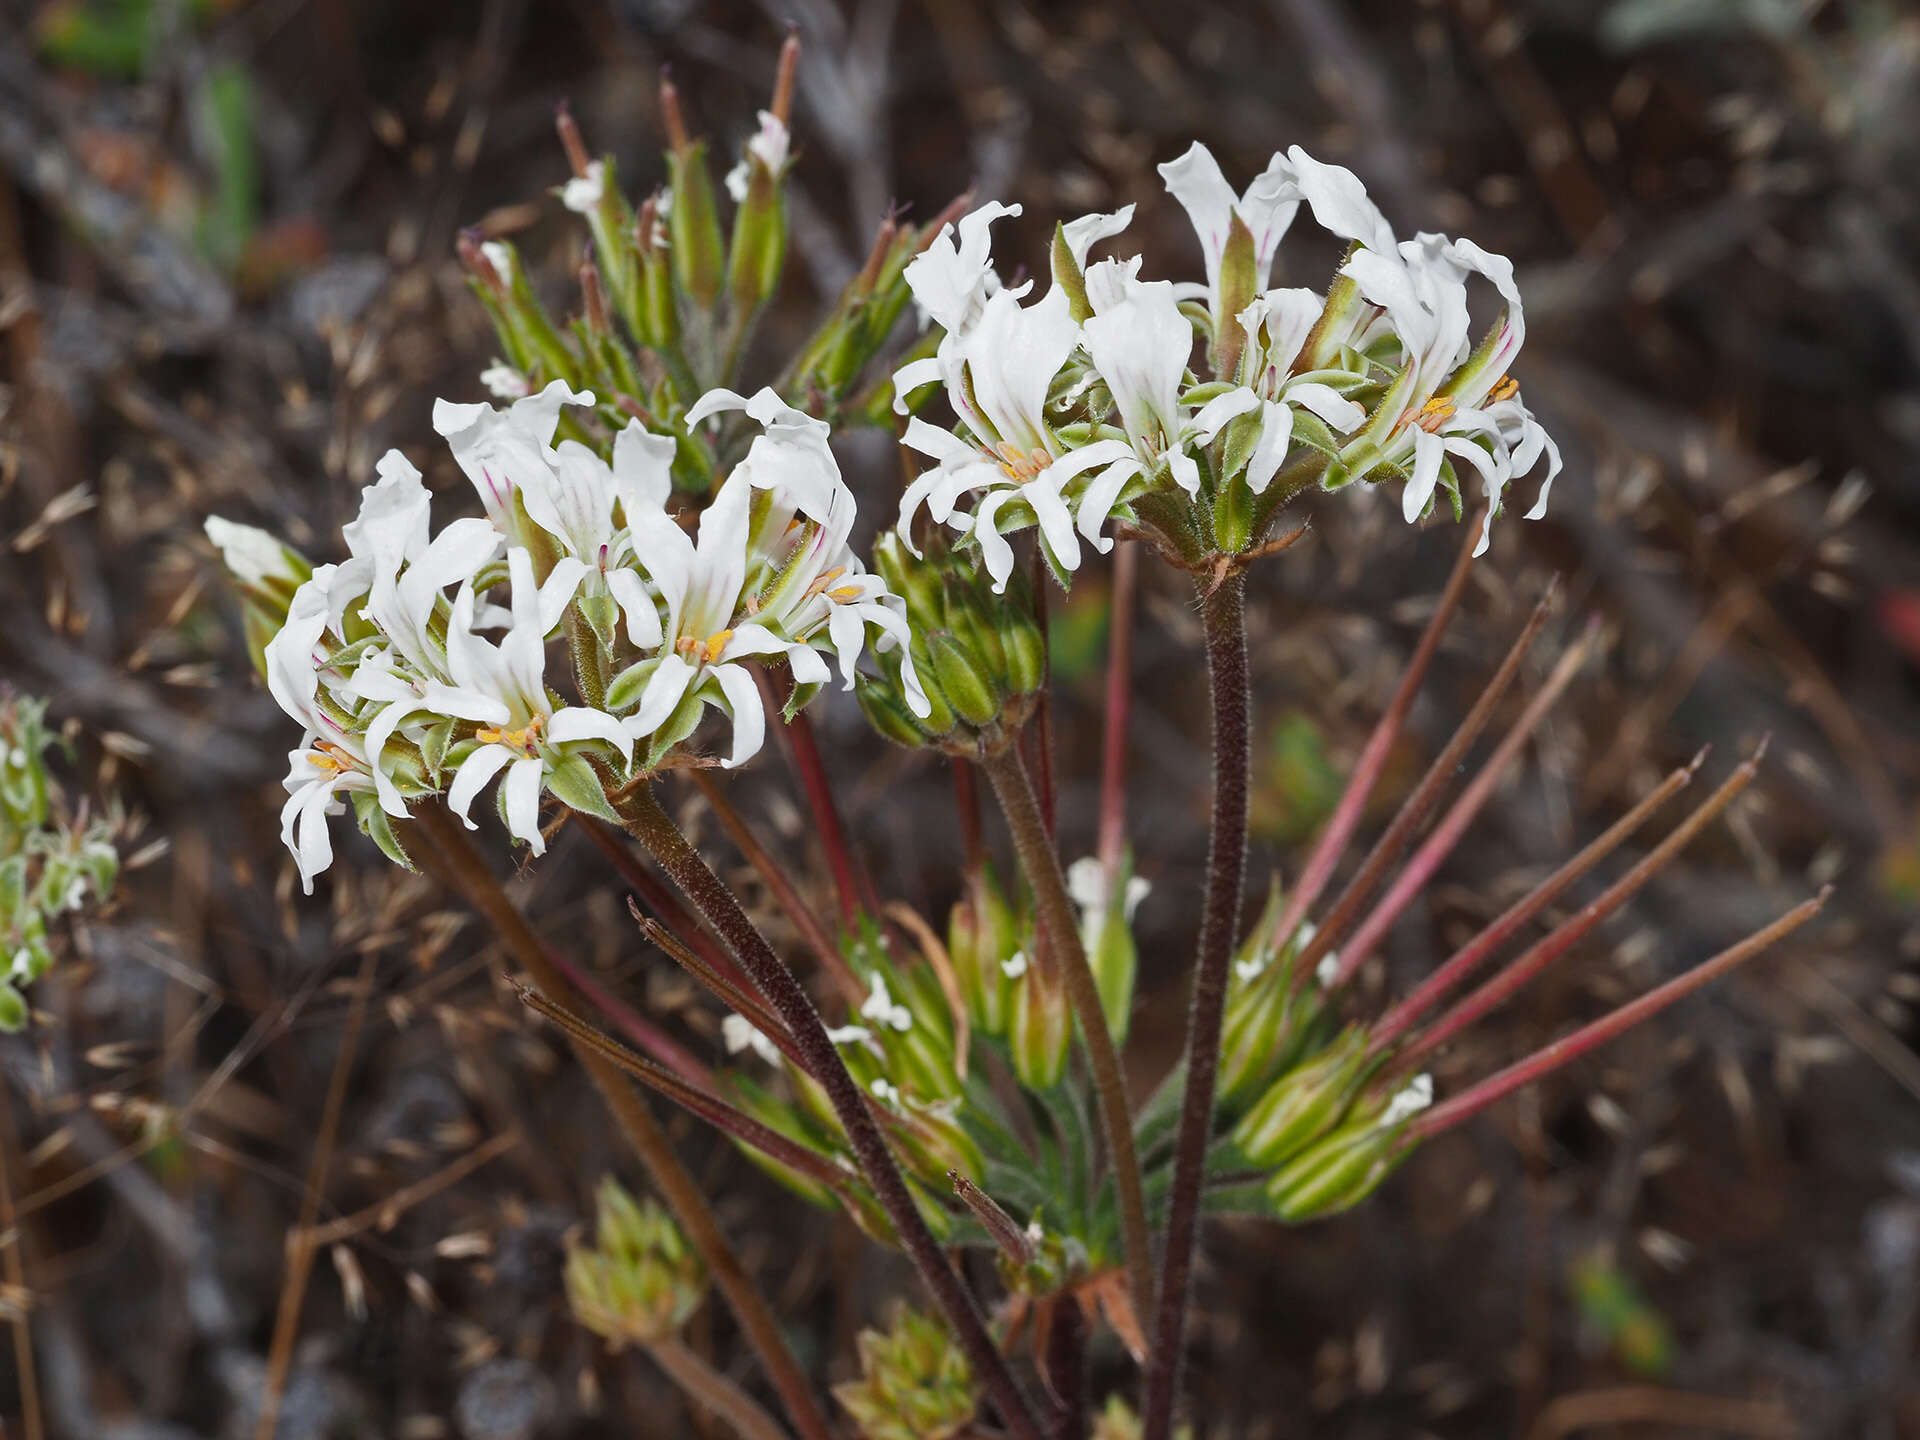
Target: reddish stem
{"type": "Point", "coordinates": [642, 1031]}
{"type": "Point", "coordinates": [1504, 985]}
{"type": "Point", "coordinates": [1425, 796]}
{"type": "Point", "coordinates": [1339, 829]}
{"type": "Point", "coordinates": [826, 815]}
{"type": "Point", "coordinates": [1476, 1098]}
{"type": "Point", "coordinates": [966, 804]}
{"type": "Point", "coordinates": [1468, 956]}
{"type": "Point", "coordinates": [660, 900]}
{"type": "Point", "coordinates": [1435, 848]}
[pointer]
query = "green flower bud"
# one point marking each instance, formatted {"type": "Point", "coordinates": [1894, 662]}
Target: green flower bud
{"type": "Point", "coordinates": [1269, 1025]}
{"type": "Point", "coordinates": [640, 1281]}
{"type": "Point", "coordinates": [1239, 284]}
{"type": "Point", "coordinates": [982, 935]}
{"type": "Point", "coordinates": [916, 581]}
{"type": "Point", "coordinates": [915, 1383]}
{"type": "Point", "coordinates": [1042, 1030]}
{"type": "Point", "coordinates": [696, 249]}
{"type": "Point", "coordinates": [1306, 1102]}
{"type": "Point", "coordinates": [888, 713]}
{"type": "Point", "coordinates": [1069, 277]}
{"type": "Point", "coordinates": [759, 250]}
{"type": "Point", "coordinates": [963, 678]}
{"type": "Point", "coordinates": [1025, 646]}
{"type": "Point", "coordinates": [1343, 1168]}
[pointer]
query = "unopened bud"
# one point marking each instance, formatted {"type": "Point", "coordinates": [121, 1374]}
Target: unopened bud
{"type": "Point", "coordinates": [983, 936]}
{"type": "Point", "coordinates": [963, 678]}
{"type": "Point", "coordinates": [1042, 1030]}
{"type": "Point", "coordinates": [266, 571]}
{"type": "Point", "coordinates": [1340, 1170]}
{"type": "Point", "coordinates": [1069, 278]}
{"type": "Point", "coordinates": [698, 251]}
{"type": "Point", "coordinates": [888, 713]}
{"type": "Point", "coordinates": [1306, 1102]}
{"type": "Point", "coordinates": [1239, 285]}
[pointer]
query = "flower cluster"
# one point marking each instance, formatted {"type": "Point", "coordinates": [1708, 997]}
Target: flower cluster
{"type": "Point", "coordinates": [410, 676]}
{"type": "Point", "coordinates": [1076, 404]}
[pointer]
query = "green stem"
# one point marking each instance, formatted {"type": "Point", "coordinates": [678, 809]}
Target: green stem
{"type": "Point", "coordinates": [1061, 920]}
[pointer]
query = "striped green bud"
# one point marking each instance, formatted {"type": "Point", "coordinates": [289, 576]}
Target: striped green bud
{"type": "Point", "coordinates": [915, 1382]}
{"type": "Point", "coordinates": [1042, 1030]}
{"type": "Point", "coordinates": [1343, 1168]}
{"type": "Point", "coordinates": [963, 678]}
{"type": "Point", "coordinates": [1306, 1102]}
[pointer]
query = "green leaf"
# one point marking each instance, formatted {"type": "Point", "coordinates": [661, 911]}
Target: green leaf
{"type": "Point", "coordinates": [624, 690]}
{"type": "Point", "coordinates": [574, 782]}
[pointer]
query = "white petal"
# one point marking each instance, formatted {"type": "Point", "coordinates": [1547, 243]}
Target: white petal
{"type": "Point", "coordinates": [1427, 453]}
{"type": "Point", "coordinates": [522, 795]}
{"type": "Point", "coordinates": [666, 687]}
{"type": "Point", "coordinates": [1329, 404]}
{"type": "Point", "coordinates": [1213, 416]}
{"type": "Point", "coordinates": [1097, 501]}
{"type": "Point", "coordinates": [1083, 233]}
{"type": "Point", "coordinates": [472, 777]}
{"type": "Point", "coordinates": [581, 722]}
{"type": "Point", "coordinates": [749, 718]}
{"type": "Point", "coordinates": [1276, 435]}
{"type": "Point", "coordinates": [642, 470]}
{"type": "Point", "coordinates": [912, 376]}
{"type": "Point", "coordinates": [643, 617]}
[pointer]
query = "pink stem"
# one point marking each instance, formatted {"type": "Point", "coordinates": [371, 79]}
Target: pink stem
{"type": "Point", "coordinates": [1464, 960]}
{"type": "Point", "coordinates": [1332, 843]}
{"type": "Point", "coordinates": [1504, 985]}
{"type": "Point", "coordinates": [1523, 1072]}
{"type": "Point", "coordinates": [643, 1032]}
{"type": "Point", "coordinates": [1419, 870]}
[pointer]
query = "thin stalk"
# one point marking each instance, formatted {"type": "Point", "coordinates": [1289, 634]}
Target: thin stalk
{"type": "Point", "coordinates": [1445, 835]}
{"type": "Point", "coordinates": [1113, 759]}
{"type": "Point", "coordinates": [712, 1391]}
{"type": "Point", "coordinates": [660, 900]}
{"type": "Point", "coordinates": [470, 877]}
{"type": "Point", "coordinates": [1504, 985]}
{"type": "Point", "coordinates": [748, 1005]}
{"type": "Point", "coordinates": [1345, 819]}
{"type": "Point", "coordinates": [15, 1271]}
{"type": "Point", "coordinates": [652, 827]}
{"type": "Point", "coordinates": [781, 886]}
{"type": "Point", "coordinates": [826, 815]}
{"type": "Point", "coordinates": [643, 1032]}
{"type": "Point", "coordinates": [1224, 617]}
{"type": "Point", "coordinates": [966, 805]}
{"type": "Point", "coordinates": [1060, 917]}
{"type": "Point", "coordinates": [1425, 796]}
{"type": "Point", "coordinates": [1463, 960]}
{"type": "Point", "coordinates": [1476, 1098]}
{"type": "Point", "coordinates": [696, 1099]}
{"type": "Point", "coordinates": [1066, 1369]}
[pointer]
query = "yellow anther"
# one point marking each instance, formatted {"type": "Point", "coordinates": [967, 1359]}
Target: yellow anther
{"type": "Point", "coordinates": [845, 593]}
{"type": "Point", "coordinates": [826, 578]}
{"type": "Point", "coordinates": [1017, 464]}
{"type": "Point", "coordinates": [1505, 388]}
{"type": "Point", "coordinates": [1435, 413]}
{"type": "Point", "coordinates": [716, 643]}
{"type": "Point", "coordinates": [328, 757]}
{"type": "Point", "coordinates": [524, 739]}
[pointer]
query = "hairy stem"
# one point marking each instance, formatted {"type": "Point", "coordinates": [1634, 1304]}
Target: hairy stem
{"type": "Point", "coordinates": [652, 827]}
{"type": "Point", "coordinates": [1060, 918]}
{"type": "Point", "coordinates": [712, 1391]}
{"type": "Point", "coordinates": [468, 875]}
{"type": "Point", "coordinates": [1224, 616]}
{"type": "Point", "coordinates": [1113, 759]}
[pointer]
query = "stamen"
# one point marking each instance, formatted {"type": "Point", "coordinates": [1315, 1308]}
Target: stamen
{"type": "Point", "coordinates": [1505, 388]}
{"type": "Point", "coordinates": [1435, 413]}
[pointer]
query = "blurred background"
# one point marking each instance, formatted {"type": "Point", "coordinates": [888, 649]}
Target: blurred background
{"type": "Point", "coordinates": [227, 284]}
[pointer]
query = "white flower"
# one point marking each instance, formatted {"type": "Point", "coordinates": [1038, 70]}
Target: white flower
{"type": "Point", "coordinates": [500, 256]}
{"type": "Point", "coordinates": [582, 194]}
{"type": "Point", "coordinates": [739, 1033]}
{"type": "Point", "coordinates": [1413, 1097]}
{"type": "Point", "coordinates": [1082, 234]}
{"type": "Point", "coordinates": [1010, 356]}
{"type": "Point", "coordinates": [881, 1009]}
{"type": "Point", "coordinates": [1087, 883]}
{"type": "Point", "coordinates": [1266, 208]}
{"type": "Point", "coordinates": [769, 146]}
{"type": "Point", "coordinates": [1015, 965]}
{"type": "Point", "coordinates": [252, 555]}
{"type": "Point", "coordinates": [330, 760]}
{"type": "Point", "coordinates": [885, 1091]}
{"type": "Point", "coordinates": [500, 450]}
{"type": "Point", "coordinates": [503, 382]}
{"type": "Point", "coordinates": [952, 282]}
{"type": "Point", "coordinates": [763, 578]}
{"type": "Point", "coordinates": [500, 686]}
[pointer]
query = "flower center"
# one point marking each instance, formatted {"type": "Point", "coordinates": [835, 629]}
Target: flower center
{"type": "Point", "coordinates": [1435, 413]}
{"type": "Point", "coordinates": [328, 758]}
{"type": "Point", "coordinates": [526, 739]}
{"type": "Point", "coordinates": [704, 652]}
{"type": "Point", "coordinates": [1018, 464]}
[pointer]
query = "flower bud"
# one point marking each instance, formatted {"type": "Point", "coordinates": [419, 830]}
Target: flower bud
{"type": "Point", "coordinates": [915, 1383]}
{"type": "Point", "coordinates": [888, 713]}
{"type": "Point", "coordinates": [1025, 646]}
{"type": "Point", "coordinates": [1306, 1102]}
{"type": "Point", "coordinates": [640, 1281]}
{"type": "Point", "coordinates": [697, 251]}
{"type": "Point", "coordinates": [759, 250]}
{"type": "Point", "coordinates": [1239, 285]}
{"type": "Point", "coordinates": [1069, 277]}
{"type": "Point", "coordinates": [1341, 1169]}
{"type": "Point", "coordinates": [266, 571]}
{"type": "Point", "coordinates": [1042, 1030]}
{"type": "Point", "coordinates": [982, 936]}
{"type": "Point", "coordinates": [963, 678]}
